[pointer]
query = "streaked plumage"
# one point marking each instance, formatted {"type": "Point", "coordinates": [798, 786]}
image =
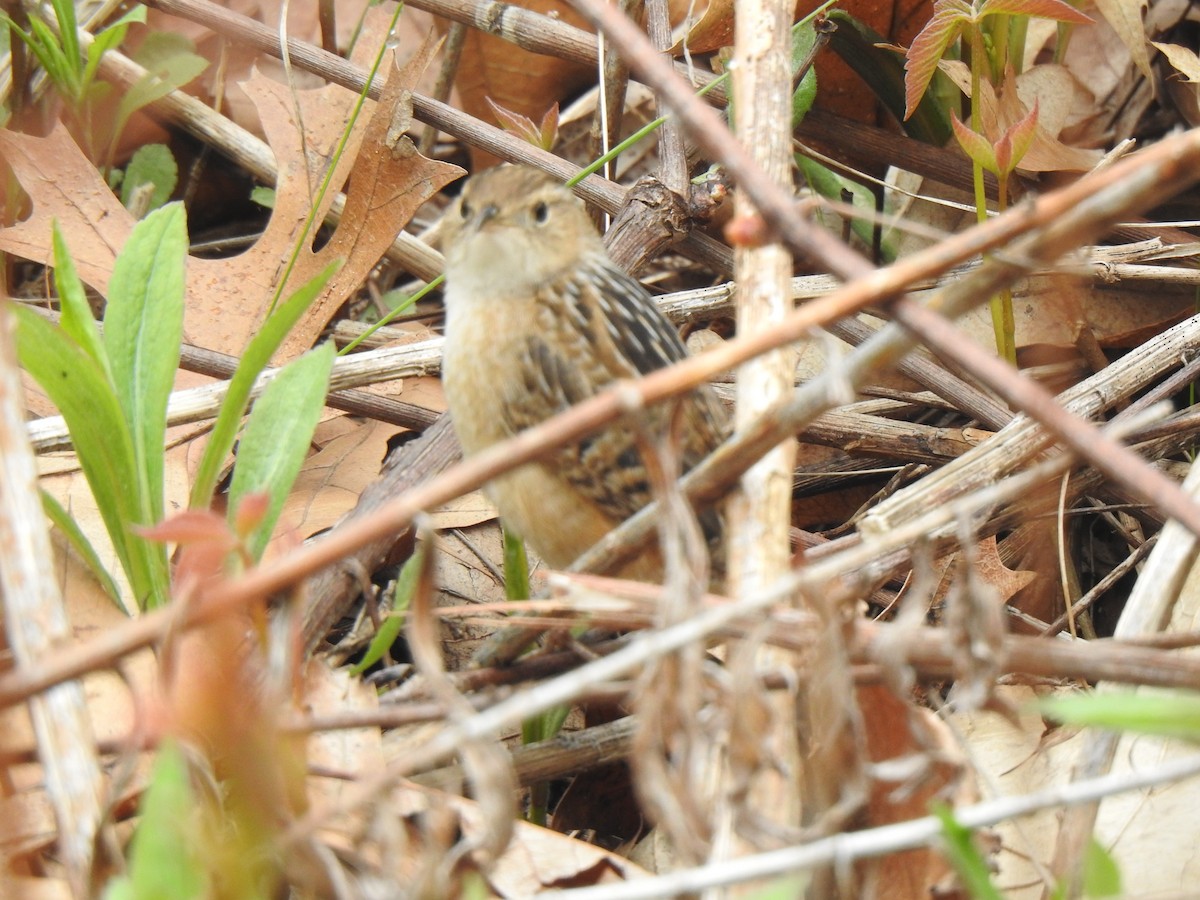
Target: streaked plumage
{"type": "Point", "coordinates": [539, 318]}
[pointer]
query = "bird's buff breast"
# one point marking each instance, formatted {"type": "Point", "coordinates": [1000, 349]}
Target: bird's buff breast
{"type": "Point", "coordinates": [482, 355]}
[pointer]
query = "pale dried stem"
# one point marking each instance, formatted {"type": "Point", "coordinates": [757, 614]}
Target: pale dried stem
{"type": "Point", "coordinates": [765, 775]}
{"type": "Point", "coordinates": [37, 628]}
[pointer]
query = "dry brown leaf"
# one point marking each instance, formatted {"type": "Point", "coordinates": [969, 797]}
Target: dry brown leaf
{"type": "Point", "coordinates": [888, 724]}
{"type": "Point", "coordinates": [701, 28]}
{"type": "Point", "coordinates": [357, 751]}
{"type": "Point", "coordinates": [227, 299]}
{"type": "Point", "coordinates": [331, 480]}
{"type": "Point", "coordinates": [463, 576]}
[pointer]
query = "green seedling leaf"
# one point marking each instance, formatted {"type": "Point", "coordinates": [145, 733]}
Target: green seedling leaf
{"type": "Point", "coordinates": [143, 329]}
{"type": "Point", "coordinates": [259, 352]}
{"type": "Point", "coordinates": [151, 167]}
{"type": "Point", "coordinates": [263, 196]}
{"type": "Point", "coordinates": [975, 145]}
{"type": "Point", "coordinates": [66, 523]}
{"type": "Point", "coordinates": [278, 435]}
{"type": "Point", "coordinates": [163, 859]}
{"type": "Point", "coordinates": [393, 623]}
{"type": "Point", "coordinates": [959, 847]}
{"type": "Point", "coordinates": [516, 567]}
{"type": "Point", "coordinates": [804, 38]}
{"type": "Point", "coordinates": [44, 44]}
{"type": "Point", "coordinates": [1101, 874]}
{"type": "Point", "coordinates": [76, 319]}
{"type": "Point", "coordinates": [171, 62]}
{"type": "Point", "coordinates": [107, 39]}
{"type": "Point", "coordinates": [85, 397]}
{"type": "Point", "coordinates": [68, 37]}
{"type": "Point", "coordinates": [1174, 715]}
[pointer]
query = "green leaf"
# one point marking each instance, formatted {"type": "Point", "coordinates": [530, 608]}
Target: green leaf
{"type": "Point", "coordinates": [163, 859]}
{"type": "Point", "coordinates": [1167, 714]}
{"type": "Point", "coordinates": [1101, 874]}
{"type": "Point", "coordinates": [64, 14]}
{"type": "Point", "coordinates": [78, 540]}
{"type": "Point", "coordinates": [44, 44]}
{"type": "Point", "coordinates": [151, 166]}
{"type": "Point", "coordinates": [959, 847]}
{"type": "Point", "coordinates": [804, 36]}
{"type": "Point", "coordinates": [77, 319]}
{"type": "Point", "coordinates": [831, 184]}
{"type": "Point", "coordinates": [278, 435]}
{"type": "Point", "coordinates": [976, 146]}
{"type": "Point", "coordinates": [259, 352]}
{"type": "Point", "coordinates": [107, 39]}
{"type": "Point", "coordinates": [516, 567]}
{"type": "Point", "coordinates": [393, 623]}
{"type": "Point", "coordinates": [81, 391]}
{"type": "Point", "coordinates": [143, 329]}
{"type": "Point", "coordinates": [170, 61]}
{"type": "Point", "coordinates": [263, 196]}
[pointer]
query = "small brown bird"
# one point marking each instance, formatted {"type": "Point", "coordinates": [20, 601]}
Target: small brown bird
{"type": "Point", "coordinates": [539, 318]}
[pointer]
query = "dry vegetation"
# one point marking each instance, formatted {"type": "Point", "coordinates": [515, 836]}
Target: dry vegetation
{"type": "Point", "coordinates": [961, 536]}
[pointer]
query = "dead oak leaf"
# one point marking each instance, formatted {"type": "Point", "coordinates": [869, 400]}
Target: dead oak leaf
{"type": "Point", "coordinates": [229, 298]}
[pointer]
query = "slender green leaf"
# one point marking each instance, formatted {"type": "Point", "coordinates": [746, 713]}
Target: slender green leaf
{"type": "Point", "coordinates": [44, 44]}
{"type": "Point", "coordinates": [164, 863]}
{"type": "Point", "coordinates": [516, 567]}
{"type": "Point", "coordinates": [143, 329]}
{"type": "Point", "coordinates": [66, 523]}
{"type": "Point", "coordinates": [84, 396]}
{"type": "Point", "coordinates": [1101, 874]}
{"type": "Point", "coordinates": [64, 13]}
{"type": "Point", "coordinates": [108, 38]}
{"type": "Point", "coordinates": [959, 847]}
{"type": "Point", "coordinates": [1167, 714]}
{"type": "Point", "coordinates": [259, 352]}
{"type": "Point", "coordinates": [77, 319]}
{"type": "Point", "coordinates": [277, 437]}
{"type": "Point", "coordinates": [170, 61]}
{"type": "Point", "coordinates": [393, 623]}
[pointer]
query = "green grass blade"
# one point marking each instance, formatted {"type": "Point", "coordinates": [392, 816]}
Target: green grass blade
{"type": "Point", "coordinates": [277, 437]}
{"type": "Point", "coordinates": [1174, 714]}
{"type": "Point", "coordinates": [262, 347]}
{"type": "Point", "coordinates": [62, 520]}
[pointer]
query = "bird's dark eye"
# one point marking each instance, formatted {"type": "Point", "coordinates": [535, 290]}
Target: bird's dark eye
{"type": "Point", "coordinates": [541, 212]}
{"type": "Point", "coordinates": [465, 209]}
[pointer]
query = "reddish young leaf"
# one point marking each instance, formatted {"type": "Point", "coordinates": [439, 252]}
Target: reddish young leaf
{"type": "Point", "coordinates": [1056, 10]}
{"type": "Point", "coordinates": [1016, 140]}
{"type": "Point", "coordinates": [921, 60]}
